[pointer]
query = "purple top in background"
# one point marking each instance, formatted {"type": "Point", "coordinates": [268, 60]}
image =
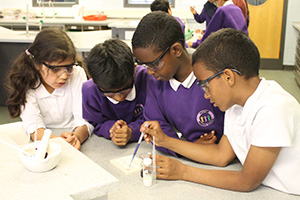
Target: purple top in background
{"type": "Point", "coordinates": [229, 16]}
{"type": "Point", "coordinates": [207, 13]}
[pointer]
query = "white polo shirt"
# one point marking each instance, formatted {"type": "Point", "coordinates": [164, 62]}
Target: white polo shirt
{"type": "Point", "coordinates": [269, 118]}
{"type": "Point", "coordinates": [61, 109]}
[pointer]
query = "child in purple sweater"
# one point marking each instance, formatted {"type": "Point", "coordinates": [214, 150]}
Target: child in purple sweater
{"type": "Point", "coordinates": [114, 98]}
{"type": "Point", "coordinates": [207, 12]}
{"type": "Point", "coordinates": [227, 15]}
{"type": "Point", "coordinates": [174, 101]}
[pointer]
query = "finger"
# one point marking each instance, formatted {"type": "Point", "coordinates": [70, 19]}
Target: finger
{"type": "Point", "coordinates": [77, 145]}
{"type": "Point", "coordinates": [120, 134]}
{"type": "Point", "coordinates": [112, 129]}
{"type": "Point", "coordinates": [119, 143]}
{"type": "Point", "coordinates": [69, 138]}
{"type": "Point", "coordinates": [120, 124]}
{"type": "Point", "coordinates": [120, 140]}
{"type": "Point", "coordinates": [160, 158]}
{"type": "Point", "coordinates": [65, 134]}
{"type": "Point", "coordinates": [74, 140]}
{"type": "Point", "coordinates": [147, 138]}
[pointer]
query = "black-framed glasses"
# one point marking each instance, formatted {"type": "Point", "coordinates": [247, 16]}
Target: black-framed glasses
{"type": "Point", "coordinates": [157, 64]}
{"type": "Point", "coordinates": [205, 85]}
{"type": "Point", "coordinates": [122, 92]}
{"type": "Point", "coordinates": [58, 70]}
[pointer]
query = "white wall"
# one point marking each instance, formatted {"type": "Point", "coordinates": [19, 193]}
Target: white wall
{"type": "Point", "coordinates": [114, 8]}
{"type": "Point", "coordinates": [291, 33]}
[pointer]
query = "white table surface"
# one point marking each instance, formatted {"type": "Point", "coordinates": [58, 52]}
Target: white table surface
{"type": "Point", "coordinates": [83, 41]}
{"type": "Point", "coordinates": [130, 187]}
{"type": "Point", "coordinates": [101, 151]}
{"type": "Point", "coordinates": [58, 21]}
{"type": "Point", "coordinates": [75, 177]}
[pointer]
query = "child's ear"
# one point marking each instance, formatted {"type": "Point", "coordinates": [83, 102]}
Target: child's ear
{"type": "Point", "coordinates": [176, 49]}
{"type": "Point", "coordinates": [229, 77]}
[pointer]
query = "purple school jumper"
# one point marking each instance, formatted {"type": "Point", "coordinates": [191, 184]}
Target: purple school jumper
{"type": "Point", "coordinates": [102, 113]}
{"type": "Point", "coordinates": [186, 110]}
{"type": "Point", "coordinates": [204, 16]}
{"type": "Point", "coordinates": [229, 16]}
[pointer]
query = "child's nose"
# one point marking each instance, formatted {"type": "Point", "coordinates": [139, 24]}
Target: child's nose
{"type": "Point", "coordinates": [64, 75]}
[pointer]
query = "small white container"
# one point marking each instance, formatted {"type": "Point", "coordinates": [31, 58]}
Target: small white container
{"type": "Point", "coordinates": [147, 172]}
{"type": "Point", "coordinates": [36, 164]}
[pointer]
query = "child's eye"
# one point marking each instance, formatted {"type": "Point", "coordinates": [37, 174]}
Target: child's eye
{"type": "Point", "coordinates": [56, 69]}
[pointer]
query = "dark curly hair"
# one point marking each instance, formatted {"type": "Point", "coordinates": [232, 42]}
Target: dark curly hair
{"type": "Point", "coordinates": [51, 44]}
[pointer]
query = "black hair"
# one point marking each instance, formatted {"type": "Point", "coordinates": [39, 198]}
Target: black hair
{"type": "Point", "coordinates": [51, 44]}
{"type": "Point", "coordinates": [229, 48]}
{"type": "Point", "coordinates": [111, 65]}
{"type": "Point", "coordinates": [158, 29]}
{"type": "Point", "coordinates": [162, 5]}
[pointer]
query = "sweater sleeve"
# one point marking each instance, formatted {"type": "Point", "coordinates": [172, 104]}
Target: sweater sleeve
{"type": "Point", "coordinates": [154, 111]}
{"type": "Point", "coordinates": [92, 111]}
{"type": "Point", "coordinates": [200, 18]}
{"type": "Point", "coordinates": [214, 25]}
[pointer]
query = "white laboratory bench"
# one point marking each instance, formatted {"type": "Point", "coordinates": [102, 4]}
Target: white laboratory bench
{"type": "Point", "coordinates": [68, 24]}
{"type": "Point", "coordinates": [83, 41]}
{"type": "Point", "coordinates": [99, 151]}
{"type": "Point", "coordinates": [75, 177]}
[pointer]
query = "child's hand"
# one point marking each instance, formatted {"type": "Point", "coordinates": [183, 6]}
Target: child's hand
{"type": "Point", "coordinates": [169, 168]}
{"type": "Point", "coordinates": [193, 10]}
{"type": "Point", "coordinates": [71, 139]}
{"type": "Point", "coordinates": [120, 133]}
{"type": "Point", "coordinates": [154, 129]}
{"type": "Point", "coordinates": [207, 138]}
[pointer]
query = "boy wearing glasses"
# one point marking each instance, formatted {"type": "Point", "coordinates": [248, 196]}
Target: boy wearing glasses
{"type": "Point", "coordinates": [174, 101]}
{"type": "Point", "coordinates": [261, 125]}
{"type": "Point", "coordinates": [113, 100]}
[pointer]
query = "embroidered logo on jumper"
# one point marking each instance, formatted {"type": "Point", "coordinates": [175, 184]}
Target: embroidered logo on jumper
{"type": "Point", "coordinates": [138, 110]}
{"type": "Point", "coordinates": [205, 118]}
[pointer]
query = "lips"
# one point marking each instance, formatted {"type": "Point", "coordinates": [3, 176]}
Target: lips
{"type": "Point", "coordinates": [62, 83]}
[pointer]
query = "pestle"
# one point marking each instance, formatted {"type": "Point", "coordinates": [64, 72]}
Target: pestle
{"type": "Point", "coordinates": [43, 145]}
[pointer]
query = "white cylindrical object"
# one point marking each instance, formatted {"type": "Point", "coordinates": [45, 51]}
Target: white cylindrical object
{"type": "Point", "coordinates": [43, 145]}
{"type": "Point", "coordinates": [147, 172]}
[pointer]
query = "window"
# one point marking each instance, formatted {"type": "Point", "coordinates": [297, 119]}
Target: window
{"type": "Point", "coordinates": [143, 3]}
{"type": "Point", "coordinates": [55, 3]}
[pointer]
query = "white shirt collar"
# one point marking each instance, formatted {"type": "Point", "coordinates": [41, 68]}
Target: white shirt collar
{"type": "Point", "coordinates": [228, 3]}
{"type": "Point", "coordinates": [187, 83]}
{"type": "Point", "coordinates": [130, 96]}
{"type": "Point", "coordinates": [42, 92]}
